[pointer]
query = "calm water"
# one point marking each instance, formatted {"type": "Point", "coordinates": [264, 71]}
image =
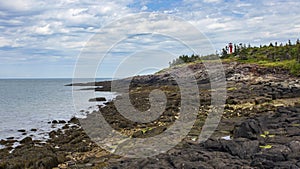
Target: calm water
{"type": "Point", "coordinates": [32, 103]}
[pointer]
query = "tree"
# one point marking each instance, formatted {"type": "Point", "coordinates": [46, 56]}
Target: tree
{"type": "Point", "coordinates": [298, 53]}
{"type": "Point", "coordinates": [224, 53]}
{"type": "Point", "coordinates": [289, 43]}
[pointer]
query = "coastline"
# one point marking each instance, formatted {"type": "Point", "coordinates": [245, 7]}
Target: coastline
{"type": "Point", "coordinates": [261, 118]}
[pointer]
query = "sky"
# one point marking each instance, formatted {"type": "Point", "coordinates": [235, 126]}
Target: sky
{"type": "Point", "coordinates": [52, 39]}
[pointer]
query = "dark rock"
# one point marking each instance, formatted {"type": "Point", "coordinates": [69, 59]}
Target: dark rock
{"type": "Point", "coordinates": [212, 144]}
{"type": "Point", "coordinates": [243, 149]}
{"type": "Point", "coordinates": [283, 110]}
{"type": "Point", "coordinates": [54, 122]}
{"type": "Point", "coordinates": [231, 100]}
{"type": "Point", "coordinates": [22, 130]}
{"type": "Point", "coordinates": [62, 122]}
{"type": "Point", "coordinates": [33, 130]}
{"type": "Point", "coordinates": [248, 129]}
{"type": "Point", "coordinates": [26, 140]}
{"type": "Point", "coordinates": [260, 100]}
{"type": "Point", "coordinates": [293, 131]}
{"type": "Point", "coordinates": [262, 163]}
{"type": "Point", "coordinates": [66, 126]}
{"type": "Point", "coordinates": [276, 153]}
{"type": "Point", "coordinates": [52, 134]}
{"type": "Point", "coordinates": [295, 146]}
{"type": "Point", "coordinates": [3, 142]}
{"type": "Point", "coordinates": [123, 124]}
{"type": "Point", "coordinates": [47, 163]}
{"type": "Point", "coordinates": [98, 99]}
{"type": "Point", "coordinates": [74, 120]}
{"type": "Point", "coordinates": [119, 97]}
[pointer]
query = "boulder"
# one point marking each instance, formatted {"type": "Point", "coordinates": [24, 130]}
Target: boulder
{"type": "Point", "coordinates": [98, 99]}
{"type": "Point", "coordinates": [248, 129]}
{"type": "Point", "coordinates": [26, 140]}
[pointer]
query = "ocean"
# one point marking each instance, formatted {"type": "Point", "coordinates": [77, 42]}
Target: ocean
{"type": "Point", "coordinates": [33, 103]}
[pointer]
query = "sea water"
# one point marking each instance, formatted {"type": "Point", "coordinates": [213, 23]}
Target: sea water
{"type": "Point", "coordinates": [33, 103]}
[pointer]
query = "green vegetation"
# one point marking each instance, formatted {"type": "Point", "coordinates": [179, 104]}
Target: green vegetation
{"type": "Point", "coordinates": [267, 134]}
{"type": "Point", "coordinates": [266, 146]}
{"type": "Point", "coordinates": [286, 56]}
{"type": "Point", "coordinates": [193, 58]}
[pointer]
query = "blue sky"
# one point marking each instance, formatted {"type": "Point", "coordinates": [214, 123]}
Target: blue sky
{"type": "Point", "coordinates": [42, 38]}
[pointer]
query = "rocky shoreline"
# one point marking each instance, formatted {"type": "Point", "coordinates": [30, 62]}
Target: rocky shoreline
{"type": "Point", "coordinates": [260, 126]}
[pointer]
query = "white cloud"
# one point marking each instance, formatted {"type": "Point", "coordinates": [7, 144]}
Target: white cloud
{"type": "Point", "coordinates": [44, 30]}
{"type": "Point", "coordinates": [64, 26]}
{"type": "Point", "coordinates": [5, 42]}
{"type": "Point", "coordinates": [19, 5]}
{"type": "Point", "coordinates": [144, 8]}
{"type": "Point", "coordinates": [212, 1]}
{"type": "Point", "coordinates": [216, 26]}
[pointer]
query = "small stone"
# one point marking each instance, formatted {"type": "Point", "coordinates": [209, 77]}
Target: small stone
{"type": "Point", "coordinates": [62, 122]}
{"type": "Point", "coordinates": [54, 121]}
{"type": "Point", "coordinates": [98, 99]}
{"type": "Point", "coordinates": [62, 166]}
{"type": "Point", "coordinates": [89, 165]}
{"type": "Point", "coordinates": [66, 126]}
{"type": "Point", "coordinates": [22, 130]}
{"type": "Point", "coordinates": [74, 120]}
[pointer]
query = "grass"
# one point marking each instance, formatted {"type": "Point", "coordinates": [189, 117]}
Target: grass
{"type": "Point", "coordinates": [292, 65]}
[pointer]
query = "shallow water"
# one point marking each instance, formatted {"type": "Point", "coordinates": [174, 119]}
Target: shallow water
{"type": "Point", "coordinates": [32, 103]}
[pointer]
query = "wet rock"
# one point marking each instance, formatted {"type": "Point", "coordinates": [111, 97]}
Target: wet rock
{"type": "Point", "coordinates": [54, 121]}
{"type": "Point", "coordinates": [52, 134]}
{"type": "Point", "coordinates": [3, 142]}
{"type": "Point", "coordinates": [66, 126]}
{"type": "Point", "coordinates": [98, 99]}
{"type": "Point", "coordinates": [22, 130]}
{"type": "Point", "coordinates": [26, 140]}
{"type": "Point", "coordinates": [74, 120]}
{"type": "Point", "coordinates": [62, 122]}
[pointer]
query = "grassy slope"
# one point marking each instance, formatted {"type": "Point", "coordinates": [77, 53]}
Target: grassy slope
{"type": "Point", "coordinates": [284, 56]}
